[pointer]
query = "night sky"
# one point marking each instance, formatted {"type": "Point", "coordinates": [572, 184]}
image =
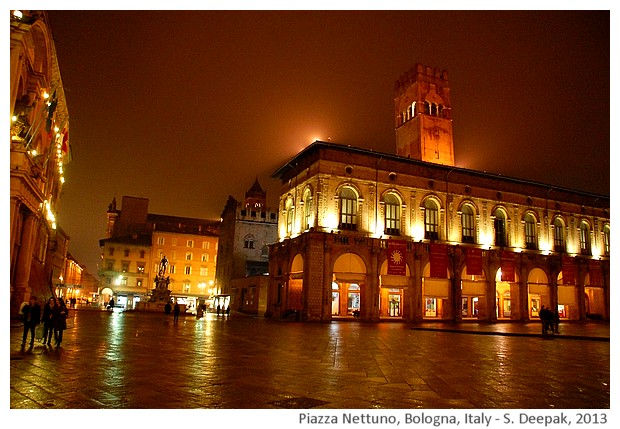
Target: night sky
{"type": "Point", "coordinates": [187, 107]}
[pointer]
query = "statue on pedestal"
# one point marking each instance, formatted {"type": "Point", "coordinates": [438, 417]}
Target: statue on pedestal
{"type": "Point", "coordinates": [161, 292]}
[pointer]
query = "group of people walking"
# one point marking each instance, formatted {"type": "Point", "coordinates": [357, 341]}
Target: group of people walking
{"type": "Point", "coordinates": [53, 317]}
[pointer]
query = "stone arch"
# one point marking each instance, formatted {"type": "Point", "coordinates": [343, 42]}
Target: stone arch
{"type": "Point", "coordinates": [507, 306]}
{"type": "Point", "coordinates": [436, 295]}
{"type": "Point", "coordinates": [473, 294]}
{"type": "Point", "coordinates": [538, 291]}
{"type": "Point", "coordinates": [530, 212]}
{"type": "Point", "coordinates": [350, 185]}
{"type": "Point", "coordinates": [42, 49]}
{"type": "Point", "coordinates": [349, 289]}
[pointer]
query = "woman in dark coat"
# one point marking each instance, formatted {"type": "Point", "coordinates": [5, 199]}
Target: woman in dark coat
{"type": "Point", "coordinates": [59, 316]}
{"type": "Point", "coordinates": [48, 321]}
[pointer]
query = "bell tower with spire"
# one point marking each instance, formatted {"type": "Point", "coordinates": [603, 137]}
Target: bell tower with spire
{"type": "Point", "coordinates": [423, 115]}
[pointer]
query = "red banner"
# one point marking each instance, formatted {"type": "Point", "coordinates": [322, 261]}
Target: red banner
{"type": "Point", "coordinates": [397, 257]}
{"type": "Point", "coordinates": [473, 262]}
{"type": "Point", "coordinates": [568, 270]}
{"type": "Point", "coordinates": [439, 260]}
{"type": "Point", "coordinates": [596, 273]}
{"type": "Point", "coordinates": [507, 265]}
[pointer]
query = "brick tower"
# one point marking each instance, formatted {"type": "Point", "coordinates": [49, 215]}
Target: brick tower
{"type": "Point", "coordinates": [423, 115]}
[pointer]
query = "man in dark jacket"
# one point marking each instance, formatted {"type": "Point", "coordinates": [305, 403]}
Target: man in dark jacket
{"type": "Point", "coordinates": [32, 316]}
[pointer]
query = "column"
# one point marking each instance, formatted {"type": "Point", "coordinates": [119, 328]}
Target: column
{"type": "Point", "coordinates": [20, 291]}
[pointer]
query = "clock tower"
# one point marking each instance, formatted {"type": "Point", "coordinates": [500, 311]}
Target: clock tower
{"type": "Point", "coordinates": [423, 115]}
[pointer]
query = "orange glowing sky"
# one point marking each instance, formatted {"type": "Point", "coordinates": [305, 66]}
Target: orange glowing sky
{"type": "Point", "coordinates": [187, 107]}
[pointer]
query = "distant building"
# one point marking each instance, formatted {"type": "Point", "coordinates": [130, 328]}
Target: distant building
{"type": "Point", "coordinates": [137, 241]}
{"type": "Point", "coordinates": [39, 146]}
{"type": "Point", "coordinates": [247, 229]}
{"type": "Point", "coordinates": [411, 236]}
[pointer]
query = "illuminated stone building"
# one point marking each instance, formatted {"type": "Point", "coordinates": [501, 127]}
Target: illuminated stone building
{"type": "Point", "coordinates": [136, 243]}
{"type": "Point", "coordinates": [39, 153]}
{"type": "Point", "coordinates": [379, 236]}
{"type": "Point", "coordinates": [247, 229]}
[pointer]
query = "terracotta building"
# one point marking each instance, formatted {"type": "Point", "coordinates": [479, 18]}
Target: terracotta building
{"type": "Point", "coordinates": [247, 229]}
{"type": "Point", "coordinates": [39, 153]}
{"type": "Point", "coordinates": [378, 236]}
{"type": "Point", "coordinates": [136, 242]}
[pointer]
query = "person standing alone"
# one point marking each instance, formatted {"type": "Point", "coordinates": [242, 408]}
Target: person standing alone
{"type": "Point", "coordinates": [176, 311]}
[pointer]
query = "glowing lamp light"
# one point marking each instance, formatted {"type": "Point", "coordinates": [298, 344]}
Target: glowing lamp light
{"type": "Point", "coordinates": [46, 96]}
{"type": "Point", "coordinates": [13, 118]}
{"type": "Point", "coordinates": [118, 280]}
{"type": "Point", "coordinates": [62, 179]}
{"type": "Point", "coordinates": [33, 152]}
{"type": "Point", "coordinates": [56, 129]}
{"type": "Point", "coordinates": [17, 14]}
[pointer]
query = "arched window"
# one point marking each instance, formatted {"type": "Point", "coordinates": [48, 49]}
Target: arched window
{"type": "Point", "coordinates": [248, 242]}
{"type": "Point", "coordinates": [468, 226]}
{"type": "Point", "coordinates": [433, 109]}
{"type": "Point", "coordinates": [431, 220]}
{"type": "Point", "coordinates": [392, 214]}
{"type": "Point", "coordinates": [500, 228]}
{"type": "Point", "coordinates": [606, 238]}
{"type": "Point", "coordinates": [348, 209]}
{"type": "Point", "coordinates": [289, 216]}
{"type": "Point", "coordinates": [530, 232]}
{"type": "Point", "coordinates": [558, 236]}
{"type": "Point", "coordinates": [307, 209]}
{"type": "Point", "coordinates": [584, 238]}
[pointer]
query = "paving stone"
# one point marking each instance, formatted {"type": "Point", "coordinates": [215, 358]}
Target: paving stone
{"type": "Point", "coordinates": [144, 361]}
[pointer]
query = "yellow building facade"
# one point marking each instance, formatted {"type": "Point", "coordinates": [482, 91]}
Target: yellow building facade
{"type": "Point", "coordinates": [468, 244]}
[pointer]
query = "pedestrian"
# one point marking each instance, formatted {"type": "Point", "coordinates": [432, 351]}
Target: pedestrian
{"type": "Point", "coordinates": [59, 316]}
{"type": "Point", "coordinates": [31, 314]}
{"type": "Point", "coordinates": [546, 317]}
{"type": "Point", "coordinates": [556, 322]}
{"type": "Point", "coordinates": [167, 308]}
{"type": "Point", "coordinates": [177, 311]}
{"type": "Point", "coordinates": [218, 309]}
{"type": "Point", "coordinates": [48, 321]}
{"type": "Point", "coordinates": [228, 311]}
{"type": "Point", "coordinates": [111, 304]}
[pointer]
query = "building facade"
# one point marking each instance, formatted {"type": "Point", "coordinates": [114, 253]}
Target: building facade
{"type": "Point", "coordinates": [136, 243]}
{"type": "Point", "coordinates": [412, 236]}
{"type": "Point", "coordinates": [40, 150]}
{"type": "Point", "coordinates": [247, 229]}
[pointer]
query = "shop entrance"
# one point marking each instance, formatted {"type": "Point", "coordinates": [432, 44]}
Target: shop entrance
{"type": "Point", "coordinates": [348, 285]}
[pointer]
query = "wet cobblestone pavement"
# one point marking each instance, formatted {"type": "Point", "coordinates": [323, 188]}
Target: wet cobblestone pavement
{"type": "Point", "coordinates": [137, 360]}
